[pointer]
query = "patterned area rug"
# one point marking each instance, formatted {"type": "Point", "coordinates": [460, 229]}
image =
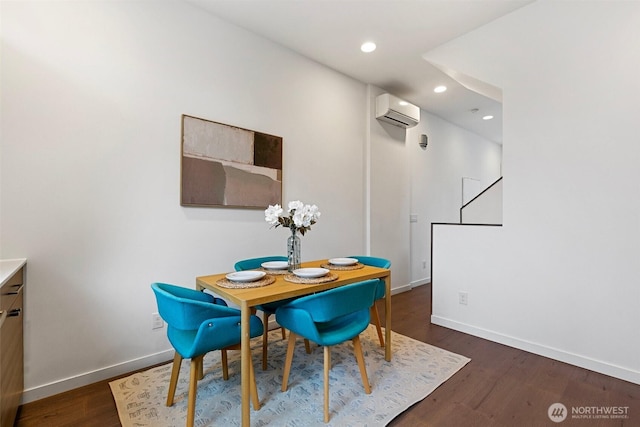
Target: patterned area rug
{"type": "Point", "coordinates": [415, 371]}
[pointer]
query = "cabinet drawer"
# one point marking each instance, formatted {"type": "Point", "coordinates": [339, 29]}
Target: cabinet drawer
{"type": "Point", "coordinates": [10, 290]}
{"type": "Point", "coordinates": [11, 363]}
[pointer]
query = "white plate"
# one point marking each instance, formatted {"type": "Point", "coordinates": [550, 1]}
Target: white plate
{"type": "Point", "coordinates": [246, 276]}
{"type": "Point", "coordinates": [275, 265]}
{"type": "Point", "coordinates": [310, 272]}
{"type": "Point", "coordinates": [343, 261]}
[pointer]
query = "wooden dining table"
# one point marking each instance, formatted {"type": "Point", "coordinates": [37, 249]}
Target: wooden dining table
{"type": "Point", "coordinates": [280, 289]}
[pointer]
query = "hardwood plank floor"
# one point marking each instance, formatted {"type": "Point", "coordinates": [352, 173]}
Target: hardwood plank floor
{"type": "Point", "coordinates": [501, 386]}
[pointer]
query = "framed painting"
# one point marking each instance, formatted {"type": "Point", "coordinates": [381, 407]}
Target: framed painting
{"type": "Point", "coordinates": [227, 166]}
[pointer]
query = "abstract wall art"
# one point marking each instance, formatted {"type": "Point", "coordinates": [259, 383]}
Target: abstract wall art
{"type": "Point", "coordinates": [227, 166]}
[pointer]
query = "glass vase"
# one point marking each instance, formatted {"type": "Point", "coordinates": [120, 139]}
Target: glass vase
{"type": "Point", "coordinates": [293, 251]}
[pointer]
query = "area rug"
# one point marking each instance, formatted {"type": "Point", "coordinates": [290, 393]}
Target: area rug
{"type": "Point", "coordinates": [415, 371]}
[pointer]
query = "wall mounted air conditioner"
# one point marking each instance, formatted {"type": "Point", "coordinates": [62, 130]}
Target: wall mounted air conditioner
{"type": "Point", "coordinates": [396, 111]}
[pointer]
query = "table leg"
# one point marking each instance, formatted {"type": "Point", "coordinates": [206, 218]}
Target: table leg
{"type": "Point", "coordinates": [245, 351]}
{"type": "Point", "coordinates": [387, 318]}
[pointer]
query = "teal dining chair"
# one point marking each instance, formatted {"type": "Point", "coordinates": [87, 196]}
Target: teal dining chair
{"type": "Point", "coordinates": [197, 324]}
{"type": "Point", "coordinates": [380, 289]}
{"type": "Point", "coordinates": [329, 318]}
{"type": "Point", "coordinates": [269, 308]}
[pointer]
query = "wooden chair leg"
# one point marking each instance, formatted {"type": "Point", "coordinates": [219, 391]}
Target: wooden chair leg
{"type": "Point", "coordinates": [201, 368]}
{"type": "Point", "coordinates": [284, 335]}
{"type": "Point", "coordinates": [265, 340]}
{"type": "Point", "coordinates": [327, 367]}
{"type": "Point", "coordinates": [175, 371]}
{"type": "Point", "coordinates": [357, 349]}
{"type": "Point", "coordinates": [254, 388]}
{"type": "Point", "coordinates": [307, 346]}
{"type": "Point", "coordinates": [376, 320]}
{"type": "Point", "coordinates": [225, 367]}
{"type": "Point", "coordinates": [193, 390]}
{"type": "Point", "coordinates": [288, 360]}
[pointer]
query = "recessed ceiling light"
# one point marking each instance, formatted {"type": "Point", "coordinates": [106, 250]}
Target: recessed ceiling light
{"type": "Point", "coordinates": [439, 89]}
{"type": "Point", "coordinates": [368, 47]}
{"type": "Point", "coordinates": [487, 117]}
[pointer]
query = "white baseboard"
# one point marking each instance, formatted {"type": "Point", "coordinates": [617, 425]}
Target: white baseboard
{"type": "Point", "coordinates": [553, 353]}
{"type": "Point", "coordinates": [408, 287]}
{"type": "Point", "coordinates": [273, 324]}
{"type": "Point", "coordinates": [46, 390]}
{"type": "Point", "coordinates": [420, 282]}
{"type": "Point", "coordinates": [400, 289]}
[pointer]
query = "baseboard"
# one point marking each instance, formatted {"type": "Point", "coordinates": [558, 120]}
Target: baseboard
{"type": "Point", "coordinates": [400, 289]}
{"type": "Point", "coordinates": [420, 282]}
{"type": "Point", "coordinates": [273, 324]}
{"type": "Point", "coordinates": [550, 352]}
{"type": "Point", "coordinates": [46, 390]}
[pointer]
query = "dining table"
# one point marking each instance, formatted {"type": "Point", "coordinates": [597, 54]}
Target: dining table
{"type": "Point", "coordinates": [247, 298]}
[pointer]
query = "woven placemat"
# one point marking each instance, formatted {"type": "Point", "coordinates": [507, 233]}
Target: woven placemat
{"type": "Point", "coordinates": [329, 277]}
{"type": "Point", "coordinates": [273, 272]}
{"type": "Point", "coordinates": [356, 266]}
{"type": "Point", "coordinates": [226, 283]}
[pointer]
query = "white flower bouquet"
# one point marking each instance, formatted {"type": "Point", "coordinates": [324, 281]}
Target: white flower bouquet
{"type": "Point", "coordinates": [299, 217]}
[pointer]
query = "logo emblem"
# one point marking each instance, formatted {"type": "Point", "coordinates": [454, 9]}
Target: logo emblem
{"type": "Point", "coordinates": [557, 412]}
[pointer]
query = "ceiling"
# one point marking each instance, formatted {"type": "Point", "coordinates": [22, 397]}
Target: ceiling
{"type": "Point", "coordinates": [331, 32]}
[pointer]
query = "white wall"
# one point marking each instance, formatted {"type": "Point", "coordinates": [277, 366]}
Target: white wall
{"type": "Point", "coordinates": [92, 95]}
{"type": "Point", "coordinates": [485, 208]}
{"type": "Point", "coordinates": [436, 180]}
{"type": "Point", "coordinates": [389, 194]}
{"type": "Point", "coordinates": [560, 277]}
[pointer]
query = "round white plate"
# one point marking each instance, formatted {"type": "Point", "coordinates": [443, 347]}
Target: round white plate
{"type": "Point", "coordinates": [246, 276]}
{"type": "Point", "coordinates": [275, 265]}
{"type": "Point", "coordinates": [310, 272]}
{"type": "Point", "coordinates": [343, 261]}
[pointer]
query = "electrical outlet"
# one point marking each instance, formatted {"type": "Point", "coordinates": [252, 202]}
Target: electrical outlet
{"type": "Point", "coordinates": [157, 322]}
{"type": "Point", "coordinates": [463, 298]}
{"type": "Point", "coordinates": [424, 264]}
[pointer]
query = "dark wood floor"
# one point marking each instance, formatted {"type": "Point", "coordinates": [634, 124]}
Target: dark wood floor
{"type": "Point", "coordinates": [501, 386]}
